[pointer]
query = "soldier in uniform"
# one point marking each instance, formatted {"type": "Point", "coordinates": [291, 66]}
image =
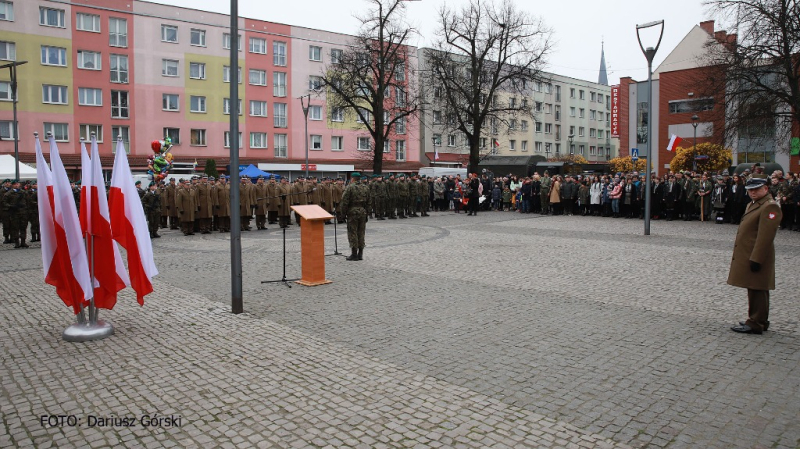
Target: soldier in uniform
{"type": "Point", "coordinates": [753, 261]}
{"type": "Point", "coordinates": [222, 205]}
{"type": "Point", "coordinates": [170, 191]}
{"type": "Point", "coordinates": [391, 198]}
{"type": "Point", "coordinates": [326, 197]}
{"type": "Point", "coordinates": [33, 212]}
{"type": "Point", "coordinates": [186, 204]}
{"type": "Point", "coordinates": [314, 192]}
{"type": "Point", "coordinates": [151, 202]}
{"type": "Point", "coordinates": [299, 196]}
{"type": "Point", "coordinates": [15, 206]}
{"type": "Point", "coordinates": [204, 205]}
{"type": "Point", "coordinates": [260, 189]}
{"type": "Point", "coordinates": [247, 203]}
{"type": "Point", "coordinates": [355, 204]}
{"type": "Point", "coordinates": [5, 216]}
{"type": "Point", "coordinates": [162, 194]}
{"type": "Point", "coordinates": [284, 202]}
{"type": "Point", "coordinates": [378, 192]}
{"type": "Point", "coordinates": [424, 194]}
{"type": "Point", "coordinates": [703, 202]}
{"type": "Point", "coordinates": [337, 190]}
{"type": "Point", "coordinates": [690, 195]}
{"type": "Point", "coordinates": [545, 193]}
{"type": "Point", "coordinates": [785, 195]}
{"type": "Point", "coordinates": [138, 185]}
{"type": "Point", "coordinates": [272, 201]}
{"type": "Point", "coordinates": [402, 196]}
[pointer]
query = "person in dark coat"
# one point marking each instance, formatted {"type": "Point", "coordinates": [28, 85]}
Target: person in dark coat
{"type": "Point", "coordinates": [473, 194]}
{"type": "Point", "coordinates": [672, 197]}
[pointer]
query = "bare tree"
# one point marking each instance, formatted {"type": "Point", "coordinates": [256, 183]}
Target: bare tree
{"type": "Point", "coordinates": [484, 50]}
{"type": "Point", "coordinates": [370, 81]}
{"type": "Point", "coordinates": [757, 66]}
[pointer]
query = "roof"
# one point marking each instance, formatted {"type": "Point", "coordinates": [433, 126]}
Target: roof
{"type": "Point", "coordinates": [510, 160]}
{"type": "Point", "coordinates": [448, 157]}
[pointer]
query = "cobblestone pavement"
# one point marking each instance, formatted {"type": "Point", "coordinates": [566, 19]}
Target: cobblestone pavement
{"type": "Point", "coordinates": [501, 330]}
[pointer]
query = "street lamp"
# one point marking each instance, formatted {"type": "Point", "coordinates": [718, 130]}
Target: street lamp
{"type": "Point", "coordinates": [694, 125]}
{"type": "Point", "coordinates": [12, 67]}
{"type": "Point", "coordinates": [305, 105]}
{"type": "Point", "coordinates": [649, 54]}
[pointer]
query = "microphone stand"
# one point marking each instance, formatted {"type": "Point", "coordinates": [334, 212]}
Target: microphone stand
{"type": "Point", "coordinates": [335, 235]}
{"type": "Point", "coordinates": [283, 279]}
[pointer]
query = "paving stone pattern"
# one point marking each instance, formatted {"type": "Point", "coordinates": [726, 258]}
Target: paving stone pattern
{"type": "Point", "coordinates": [501, 330]}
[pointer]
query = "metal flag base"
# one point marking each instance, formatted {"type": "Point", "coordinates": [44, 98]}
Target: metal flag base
{"type": "Point", "coordinates": [80, 332]}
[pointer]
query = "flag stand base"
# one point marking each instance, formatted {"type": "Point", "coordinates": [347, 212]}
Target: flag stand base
{"type": "Point", "coordinates": [81, 332]}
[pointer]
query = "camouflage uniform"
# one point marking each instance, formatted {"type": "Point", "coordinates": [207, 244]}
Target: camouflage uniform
{"type": "Point", "coordinates": [402, 196]}
{"type": "Point", "coordinates": [545, 193]}
{"type": "Point", "coordinates": [33, 214]}
{"type": "Point", "coordinates": [391, 198]}
{"type": "Point", "coordinates": [151, 202]}
{"type": "Point", "coordinates": [378, 191]}
{"type": "Point", "coordinates": [15, 208]}
{"type": "Point", "coordinates": [423, 192]}
{"type": "Point", "coordinates": [355, 203]}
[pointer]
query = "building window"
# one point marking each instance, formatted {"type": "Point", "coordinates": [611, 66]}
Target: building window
{"type": "Point", "coordinates": [400, 125]}
{"type": "Point", "coordinates": [119, 104]}
{"type": "Point", "coordinates": [226, 74]}
{"type": "Point", "coordinates": [170, 102]}
{"type": "Point", "coordinates": [7, 130]}
{"type": "Point", "coordinates": [197, 138]}
{"type": "Point", "coordinates": [51, 17]}
{"type": "Point", "coordinates": [538, 127]}
{"type": "Point", "coordinates": [88, 130]}
{"type": "Point", "coordinates": [281, 145]}
{"type": "Point", "coordinates": [538, 106]}
{"type": "Point", "coordinates": [581, 95]}
{"type": "Point", "coordinates": [538, 147]}
{"type": "Point", "coordinates": [197, 37]}
{"type": "Point", "coordinates": [592, 96]}
{"type": "Point", "coordinates": [8, 51]}
{"type": "Point", "coordinates": [87, 22]}
{"type": "Point", "coordinates": [512, 145]}
{"type": "Point", "coordinates": [314, 53]}
{"type": "Point", "coordinates": [580, 131]}
{"type": "Point", "coordinates": [548, 128]}
{"type": "Point", "coordinates": [581, 113]}
{"type": "Point", "coordinates": [258, 108]}
{"type": "Point", "coordinates": [90, 97]}
{"type": "Point", "coordinates": [258, 45]}
{"type": "Point", "coordinates": [572, 92]}
{"type": "Point", "coordinates": [169, 33]}
{"type": "Point", "coordinates": [169, 67]}
{"type": "Point", "coordinates": [279, 84]}
{"type": "Point", "coordinates": [336, 56]}
{"type": "Point", "coordinates": [315, 112]}
{"type": "Point", "coordinates": [6, 11]}
{"type": "Point", "coordinates": [592, 114]}
{"type": "Point", "coordinates": [226, 41]}
{"type": "Point", "coordinates": [364, 144]}
{"type": "Point", "coordinates": [123, 133]}
{"type": "Point", "coordinates": [591, 150]}
{"type": "Point", "coordinates": [451, 140]}
{"type": "Point", "coordinates": [197, 70]}
{"type": "Point", "coordinates": [197, 104]}
{"type": "Point", "coordinates": [118, 65]}
{"type": "Point", "coordinates": [52, 55]}
{"type": "Point", "coordinates": [117, 32]}
{"type": "Point", "coordinates": [592, 132]}
{"type": "Point", "coordinates": [437, 117]}
{"type": "Point", "coordinates": [5, 91]}
{"type": "Point", "coordinates": [524, 125]}
{"type": "Point", "coordinates": [60, 131]}
{"type": "Point", "coordinates": [362, 116]}
{"type": "Point", "coordinates": [315, 142]}
{"type": "Point", "coordinates": [698, 105]}
{"type": "Point", "coordinates": [558, 93]}
{"type": "Point", "coordinates": [279, 115]}
{"type": "Point", "coordinates": [524, 145]}
{"type": "Point", "coordinates": [599, 133]}
{"type": "Point", "coordinates": [54, 94]}
{"type": "Point", "coordinates": [258, 77]}
{"type": "Point", "coordinates": [227, 137]}
{"type": "Point", "coordinates": [548, 108]}
{"type": "Point", "coordinates": [314, 82]}
{"type": "Point", "coordinates": [337, 114]}
{"type": "Point", "coordinates": [279, 53]}
{"type": "Point", "coordinates": [226, 106]}
{"type": "Point", "coordinates": [337, 143]}
{"type": "Point", "coordinates": [582, 148]}
{"type": "Point", "coordinates": [89, 60]}
{"type": "Point", "coordinates": [258, 140]}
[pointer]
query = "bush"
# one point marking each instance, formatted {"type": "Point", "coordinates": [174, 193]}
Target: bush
{"type": "Point", "coordinates": [211, 168]}
{"type": "Point", "coordinates": [625, 165]}
{"type": "Point", "coordinates": [719, 158]}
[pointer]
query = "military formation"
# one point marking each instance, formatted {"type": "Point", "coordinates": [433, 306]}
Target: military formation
{"type": "Point", "coordinates": [19, 211]}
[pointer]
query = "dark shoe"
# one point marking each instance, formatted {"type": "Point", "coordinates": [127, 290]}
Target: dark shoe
{"type": "Point", "coordinates": [745, 329]}
{"type": "Point", "coordinates": [23, 244]}
{"type": "Point", "coordinates": [392, 218]}
{"type": "Point", "coordinates": [16, 243]}
{"type": "Point", "coordinates": [156, 236]}
{"type": "Point", "coordinates": [361, 254]}
{"type": "Point", "coordinates": [403, 216]}
{"type": "Point", "coordinates": [353, 254]}
{"type": "Point", "coordinates": [381, 218]}
{"type": "Point", "coordinates": [744, 323]}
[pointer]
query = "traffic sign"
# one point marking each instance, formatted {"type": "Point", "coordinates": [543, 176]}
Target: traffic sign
{"type": "Point", "coordinates": [634, 154]}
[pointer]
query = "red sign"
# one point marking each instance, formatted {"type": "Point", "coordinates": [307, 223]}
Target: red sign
{"type": "Point", "coordinates": [615, 111]}
{"type": "Point", "coordinates": [311, 167]}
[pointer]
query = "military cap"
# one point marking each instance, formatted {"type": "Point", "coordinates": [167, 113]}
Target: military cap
{"type": "Point", "coordinates": [260, 176]}
{"type": "Point", "coordinates": [755, 182]}
{"type": "Point", "coordinates": [725, 173]}
{"type": "Point", "coordinates": [151, 184]}
{"type": "Point", "coordinates": [137, 183]}
{"type": "Point", "coordinates": [15, 181]}
{"type": "Point", "coordinates": [6, 180]}
{"type": "Point", "coordinates": [205, 176]}
{"type": "Point", "coordinates": [271, 176]}
{"type": "Point", "coordinates": [211, 178]}
{"type": "Point", "coordinates": [355, 174]}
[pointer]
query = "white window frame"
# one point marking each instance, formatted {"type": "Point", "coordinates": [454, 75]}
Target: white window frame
{"type": "Point", "coordinates": [44, 19]}
{"type": "Point", "coordinates": [7, 130]}
{"type": "Point", "coordinates": [7, 11]}
{"type": "Point", "coordinates": [315, 112]}
{"type": "Point", "coordinates": [10, 51]}
{"type": "Point", "coordinates": [119, 109]}
{"type": "Point", "coordinates": [167, 103]}
{"type": "Point", "coordinates": [537, 147]}
{"type": "Point", "coordinates": [115, 37]}
{"type": "Point", "coordinates": [451, 140]}
{"type": "Point", "coordinates": [278, 84]}
{"type": "Point", "coordinates": [226, 106]}
{"type": "Point", "coordinates": [125, 131]}
{"type": "Point", "coordinates": [400, 125]}
{"type": "Point", "coordinates": [336, 55]}
{"type": "Point", "coordinates": [120, 73]}
{"type": "Point", "coordinates": [512, 145]}
{"type": "Point", "coordinates": [201, 104]}
{"type": "Point", "coordinates": [400, 150]}
{"type": "Point", "coordinates": [279, 115]}
{"type": "Point", "coordinates": [281, 145]}
{"type": "Point", "coordinates": [86, 131]}
{"type": "Point", "coordinates": [261, 76]}
{"type": "Point", "coordinates": [315, 53]}
{"type": "Point", "coordinates": [226, 41]}
{"type": "Point", "coordinates": [173, 133]}
{"type": "Point", "coordinates": [523, 146]}
{"type": "Point", "coordinates": [47, 94]}
{"type": "Point", "coordinates": [279, 51]}
{"type": "Point", "coordinates": [258, 45]}
{"type": "Point", "coordinates": [51, 128]}
{"type": "Point", "coordinates": [93, 58]}
{"type": "Point", "coordinates": [226, 137]}
{"type": "Point", "coordinates": [201, 37]}
{"type": "Point", "coordinates": [81, 25]}
{"type": "Point", "coordinates": [165, 37]}
{"type": "Point", "coordinates": [337, 114]}
{"type": "Point", "coordinates": [45, 53]}
{"type": "Point", "coordinates": [201, 70]}
{"type": "Point", "coordinates": [5, 91]}
{"type": "Point", "coordinates": [226, 74]}
{"type": "Point", "coordinates": [315, 142]}
{"type": "Point", "coordinates": [581, 131]}
{"type": "Point", "coordinates": [262, 140]}
{"type": "Point", "coordinates": [198, 137]}
{"type": "Point", "coordinates": [167, 65]}
{"type": "Point", "coordinates": [258, 108]}
{"type": "Point", "coordinates": [363, 144]}
{"type": "Point", "coordinates": [96, 96]}
{"type": "Point", "coordinates": [314, 82]}
{"type": "Point", "coordinates": [337, 143]}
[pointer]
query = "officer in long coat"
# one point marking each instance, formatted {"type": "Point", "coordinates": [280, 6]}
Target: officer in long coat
{"type": "Point", "coordinates": [14, 207]}
{"type": "Point", "coordinates": [151, 202]}
{"type": "Point", "coordinates": [260, 189]}
{"type": "Point", "coordinates": [299, 196]}
{"type": "Point", "coordinates": [222, 205]}
{"type": "Point", "coordinates": [204, 205]}
{"type": "Point", "coordinates": [753, 261]}
{"type": "Point", "coordinates": [272, 200]}
{"type": "Point", "coordinates": [247, 202]}
{"type": "Point", "coordinates": [284, 202]}
{"type": "Point", "coordinates": [171, 191]}
{"type": "Point", "coordinates": [337, 190]}
{"type": "Point", "coordinates": [186, 203]}
{"type": "Point", "coordinates": [355, 203]}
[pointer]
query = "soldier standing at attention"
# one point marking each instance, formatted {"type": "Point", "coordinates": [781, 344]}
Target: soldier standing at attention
{"type": "Point", "coordinates": [5, 216]}
{"type": "Point", "coordinates": [753, 261]}
{"type": "Point", "coordinates": [402, 196]}
{"type": "Point", "coordinates": [337, 190]}
{"type": "Point", "coordinates": [272, 201]}
{"type": "Point", "coordinates": [378, 192]}
{"type": "Point", "coordinates": [33, 212]}
{"type": "Point", "coordinates": [222, 205]}
{"type": "Point", "coordinates": [138, 185]}
{"type": "Point", "coordinates": [15, 207]}
{"type": "Point", "coordinates": [326, 197]}
{"type": "Point", "coordinates": [204, 205]}
{"type": "Point", "coordinates": [171, 191]}
{"type": "Point", "coordinates": [391, 198]}
{"type": "Point", "coordinates": [261, 203]}
{"type": "Point", "coordinates": [284, 202]}
{"type": "Point", "coordinates": [162, 193]}
{"type": "Point", "coordinates": [545, 193]}
{"type": "Point", "coordinates": [151, 201]}
{"type": "Point", "coordinates": [187, 206]}
{"type": "Point", "coordinates": [355, 204]}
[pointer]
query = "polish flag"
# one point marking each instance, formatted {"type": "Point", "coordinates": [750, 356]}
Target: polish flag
{"type": "Point", "coordinates": [129, 226]}
{"type": "Point", "coordinates": [63, 254]}
{"type": "Point", "coordinates": [109, 271]}
{"type": "Point", "coordinates": [435, 154]}
{"type": "Point", "coordinates": [674, 141]}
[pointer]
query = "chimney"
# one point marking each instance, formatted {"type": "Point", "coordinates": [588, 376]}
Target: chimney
{"type": "Point", "coordinates": [708, 26]}
{"type": "Point", "coordinates": [732, 39]}
{"type": "Point", "coordinates": [721, 36]}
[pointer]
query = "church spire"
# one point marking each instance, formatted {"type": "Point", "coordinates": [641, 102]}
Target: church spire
{"type": "Point", "coordinates": [603, 77]}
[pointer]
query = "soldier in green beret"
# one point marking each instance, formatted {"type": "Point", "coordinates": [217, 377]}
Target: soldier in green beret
{"type": "Point", "coordinates": [151, 201]}
{"type": "Point", "coordinates": [15, 205]}
{"type": "Point", "coordinates": [356, 201]}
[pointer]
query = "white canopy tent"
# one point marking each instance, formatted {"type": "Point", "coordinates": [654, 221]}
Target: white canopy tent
{"type": "Point", "coordinates": [8, 169]}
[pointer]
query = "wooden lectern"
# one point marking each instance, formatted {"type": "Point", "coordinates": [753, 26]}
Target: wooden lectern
{"type": "Point", "coordinates": [312, 244]}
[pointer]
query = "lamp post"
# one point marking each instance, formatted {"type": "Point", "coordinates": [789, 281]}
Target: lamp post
{"type": "Point", "coordinates": [694, 146]}
{"type": "Point", "coordinates": [305, 105]}
{"type": "Point", "coordinates": [12, 67]}
{"type": "Point", "coordinates": [649, 54]}
{"type": "Point", "coordinates": [237, 302]}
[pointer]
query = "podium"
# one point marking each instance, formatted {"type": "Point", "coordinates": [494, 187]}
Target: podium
{"type": "Point", "coordinates": [312, 244]}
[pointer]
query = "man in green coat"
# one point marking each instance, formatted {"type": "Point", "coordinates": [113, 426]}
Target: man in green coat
{"type": "Point", "coordinates": [151, 202]}
{"type": "Point", "coordinates": [355, 203]}
{"type": "Point", "coordinates": [15, 206]}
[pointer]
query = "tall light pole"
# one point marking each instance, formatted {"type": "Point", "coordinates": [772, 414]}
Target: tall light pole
{"type": "Point", "coordinates": [694, 146]}
{"type": "Point", "coordinates": [305, 105]}
{"type": "Point", "coordinates": [12, 67]}
{"type": "Point", "coordinates": [237, 303]}
{"type": "Point", "coordinates": [649, 54]}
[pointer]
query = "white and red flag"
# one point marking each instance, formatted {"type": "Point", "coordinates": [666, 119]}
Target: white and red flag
{"type": "Point", "coordinates": [104, 258]}
{"type": "Point", "coordinates": [674, 141]}
{"type": "Point", "coordinates": [63, 254]}
{"type": "Point", "coordinates": [435, 154]}
{"type": "Point", "coordinates": [129, 226]}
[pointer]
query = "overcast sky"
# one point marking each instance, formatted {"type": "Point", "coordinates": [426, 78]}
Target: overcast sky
{"type": "Point", "coordinates": [579, 26]}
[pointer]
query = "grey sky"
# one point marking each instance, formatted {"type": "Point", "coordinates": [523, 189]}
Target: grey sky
{"type": "Point", "coordinates": [579, 26]}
